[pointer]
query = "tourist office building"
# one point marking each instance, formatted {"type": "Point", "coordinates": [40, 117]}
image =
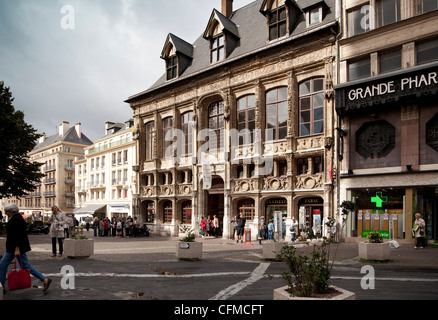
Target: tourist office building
{"type": "Point", "coordinates": [242, 121]}
{"type": "Point", "coordinates": [387, 105]}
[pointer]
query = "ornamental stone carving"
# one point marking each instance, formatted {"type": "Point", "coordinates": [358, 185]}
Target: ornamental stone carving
{"type": "Point", "coordinates": [166, 190]}
{"type": "Point", "coordinates": [277, 147]}
{"type": "Point", "coordinates": [276, 183]}
{"type": "Point", "coordinates": [246, 185]}
{"type": "Point", "coordinates": [148, 191]}
{"type": "Point", "coordinates": [185, 189]}
{"type": "Point", "coordinates": [310, 143]}
{"type": "Point", "coordinates": [305, 182]}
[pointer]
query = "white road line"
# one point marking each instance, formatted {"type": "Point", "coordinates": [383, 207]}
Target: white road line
{"type": "Point", "coordinates": [387, 279]}
{"type": "Point", "coordinates": [130, 275]}
{"type": "Point", "coordinates": [256, 275]}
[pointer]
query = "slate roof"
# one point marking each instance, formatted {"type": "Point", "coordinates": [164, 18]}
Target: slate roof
{"type": "Point", "coordinates": [252, 29]}
{"type": "Point", "coordinates": [71, 136]}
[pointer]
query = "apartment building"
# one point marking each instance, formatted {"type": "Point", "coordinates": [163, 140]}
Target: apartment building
{"type": "Point", "coordinates": [105, 182]}
{"type": "Point", "coordinates": [386, 101]}
{"type": "Point", "coordinates": [56, 153]}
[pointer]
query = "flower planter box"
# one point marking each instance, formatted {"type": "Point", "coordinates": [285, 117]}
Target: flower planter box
{"type": "Point", "coordinates": [78, 248]}
{"type": "Point", "coordinates": [283, 294]}
{"type": "Point", "coordinates": [374, 251]}
{"type": "Point", "coordinates": [270, 249]}
{"type": "Point", "coordinates": [189, 250]}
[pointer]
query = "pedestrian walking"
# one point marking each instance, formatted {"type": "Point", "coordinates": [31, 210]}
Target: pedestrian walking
{"type": "Point", "coordinates": [203, 226]}
{"type": "Point", "coordinates": [57, 221]}
{"type": "Point", "coordinates": [17, 245]}
{"type": "Point", "coordinates": [216, 226]}
{"type": "Point", "coordinates": [293, 230]}
{"type": "Point", "coordinates": [234, 222]}
{"type": "Point", "coordinates": [419, 231]}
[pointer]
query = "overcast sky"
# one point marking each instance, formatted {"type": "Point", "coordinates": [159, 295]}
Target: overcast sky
{"type": "Point", "coordinates": [85, 74]}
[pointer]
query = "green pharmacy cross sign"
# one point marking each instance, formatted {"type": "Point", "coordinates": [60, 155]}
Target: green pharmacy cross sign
{"type": "Point", "coordinates": [379, 199]}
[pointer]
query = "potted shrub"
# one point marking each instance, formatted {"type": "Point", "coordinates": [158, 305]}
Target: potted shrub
{"type": "Point", "coordinates": [79, 246]}
{"type": "Point", "coordinates": [309, 274]}
{"type": "Point", "coordinates": [374, 248]}
{"type": "Point", "coordinates": [188, 249]}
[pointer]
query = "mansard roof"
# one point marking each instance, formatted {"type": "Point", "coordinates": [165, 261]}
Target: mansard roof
{"type": "Point", "coordinates": [250, 24]}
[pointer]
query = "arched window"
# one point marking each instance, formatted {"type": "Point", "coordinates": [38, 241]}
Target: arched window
{"type": "Point", "coordinates": [276, 114]}
{"type": "Point", "coordinates": [186, 217]}
{"type": "Point", "coordinates": [216, 123]}
{"type": "Point", "coordinates": [247, 208]}
{"type": "Point", "coordinates": [312, 107]}
{"type": "Point", "coordinates": [246, 119]}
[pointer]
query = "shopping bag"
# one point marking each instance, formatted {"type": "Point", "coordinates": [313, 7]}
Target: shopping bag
{"type": "Point", "coordinates": [19, 278]}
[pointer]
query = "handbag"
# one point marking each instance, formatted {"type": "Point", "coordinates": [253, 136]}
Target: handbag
{"type": "Point", "coordinates": [19, 278]}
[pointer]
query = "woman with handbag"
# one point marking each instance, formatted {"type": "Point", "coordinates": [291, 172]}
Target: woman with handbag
{"type": "Point", "coordinates": [420, 227]}
{"type": "Point", "coordinates": [57, 221]}
{"type": "Point", "coordinates": [17, 244]}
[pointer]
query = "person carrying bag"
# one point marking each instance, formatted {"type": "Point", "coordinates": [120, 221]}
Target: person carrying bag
{"type": "Point", "coordinates": [19, 278]}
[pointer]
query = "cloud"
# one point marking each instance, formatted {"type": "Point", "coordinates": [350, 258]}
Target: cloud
{"type": "Point", "coordinates": [85, 74]}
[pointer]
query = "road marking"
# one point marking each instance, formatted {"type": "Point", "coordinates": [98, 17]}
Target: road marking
{"type": "Point", "coordinates": [133, 275]}
{"type": "Point", "coordinates": [255, 276]}
{"type": "Point", "coordinates": [388, 279]}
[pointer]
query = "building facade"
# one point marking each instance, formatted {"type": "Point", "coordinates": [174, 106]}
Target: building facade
{"type": "Point", "coordinates": [104, 177]}
{"type": "Point", "coordinates": [388, 115]}
{"type": "Point", "coordinates": [56, 154]}
{"type": "Point", "coordinates": [242, 121]}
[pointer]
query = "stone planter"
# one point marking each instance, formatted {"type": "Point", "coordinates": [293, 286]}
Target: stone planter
{"type": "Point", "coordinates": [78, 248]}
{"type": "Point", "coordinates": [282, 294]}
{"type": "Point", "coordinates": [270, 249]}
{"type": "Point", "coordinates": [374, 251]}
{"type": "Point", "coordinates": [189, 250]}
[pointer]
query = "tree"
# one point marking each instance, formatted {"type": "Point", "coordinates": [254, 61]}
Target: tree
{"type": "Point", "coordinates": [17, 139]}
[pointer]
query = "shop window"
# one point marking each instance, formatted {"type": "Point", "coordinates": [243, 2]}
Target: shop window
{"type": "Point", "coordinates": [246, 119]}
{"type": "Point", "coordinates": [390, 61]}
{"type": "Point", "coordinates": [359, 20]}
{"type": "Point", "coordinates": [186, 212]}
{"type": "Point", "coordinates": [427, 51]}
{"type": "Point", "coordinates": [276, 114]}
{"type": "Point", "coordinates": [167, 212]}
{"type": "Point", "coordinates": [312, 107]}
{"type": "Point", "coordinates": [432, 133]}
{"type": "Point", "coordinates": [359, 69]}
{"type": "Point", "coordinates": [247, 208]}
{"type": "Point", "coordinates": [388, 11]}
{"type": "Point", "coordinates": [375, 139]}
{"type": "Point", "coordinates": [150, 211]}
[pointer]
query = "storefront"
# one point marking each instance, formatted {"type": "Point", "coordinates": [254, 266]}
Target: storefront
{"type": "Point", "coordinates": [273, 206]}
{"type": "Point", "coordinates": [311, 216]}
{"type": "Point", "coordinates": [388, 151]}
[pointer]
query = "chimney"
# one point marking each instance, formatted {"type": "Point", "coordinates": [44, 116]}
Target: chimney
{"type": "Point", "coordinates": [63, 128]}
{"type": "Point", "coordinates": [78, 130]}
{"type": "Point", "coordinates": [227, 8]}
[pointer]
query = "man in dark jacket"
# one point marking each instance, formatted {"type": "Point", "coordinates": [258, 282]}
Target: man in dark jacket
{"type": "Point", "coordinates": [17, 244]}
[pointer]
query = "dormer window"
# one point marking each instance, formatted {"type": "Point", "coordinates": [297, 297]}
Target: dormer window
{"type": "Point", "coordinates": [217, 46]}
{"type": "Point", "coordinates": [178, 55]}
{"type": "Point", "coordinates": [171, 67]}
{"type": "Point", "coordinates": [277, 20]}
{"type": "Point", "coordinates": [223, 36]}
{"type": "Point", "coordinates": [315, 16]}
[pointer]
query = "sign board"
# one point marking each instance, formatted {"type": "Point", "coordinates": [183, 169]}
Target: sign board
{"type": "Point", "coordinates": [184, 245]}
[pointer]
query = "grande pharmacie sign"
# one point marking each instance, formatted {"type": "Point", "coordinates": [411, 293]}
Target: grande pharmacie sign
{"type": "Point", "coordinates": [392, 87]}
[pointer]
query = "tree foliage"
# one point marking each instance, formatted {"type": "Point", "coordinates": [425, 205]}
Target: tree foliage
{"type": "Point", "coordinates": [17, 139]}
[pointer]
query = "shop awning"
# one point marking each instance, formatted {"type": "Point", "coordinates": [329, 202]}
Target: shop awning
{"type": "Point", "coordinates": [92, 208]}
